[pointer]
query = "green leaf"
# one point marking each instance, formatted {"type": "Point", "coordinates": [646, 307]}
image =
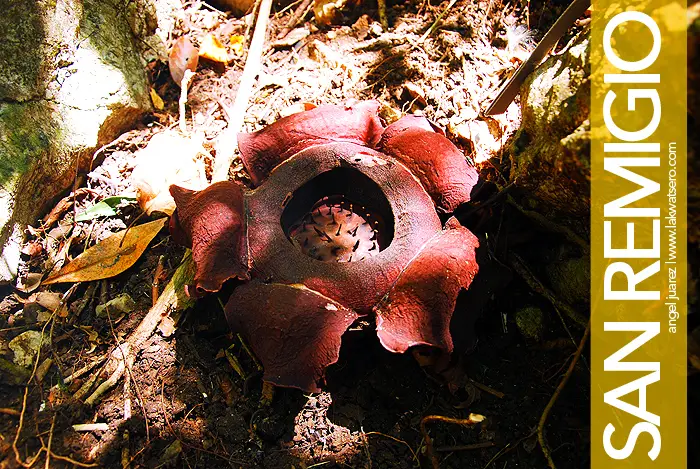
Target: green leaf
{"type": "Point", "coordinates": [105, 208]}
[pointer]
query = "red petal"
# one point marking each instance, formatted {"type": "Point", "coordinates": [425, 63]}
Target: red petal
{"type": "Point", "coordinates": [294, 331]}
{"type": "Point", "coordinates": [439, 165]}
{"type": "Point", "coordinates": [418, 309]}
{"type": "Point", "coordinates": [212, 222]}
{"type": "Point", "coordinates": [262, 151]}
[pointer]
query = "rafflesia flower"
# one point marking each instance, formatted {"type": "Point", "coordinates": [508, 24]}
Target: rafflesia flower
{"type": "Point", "coordinates": [343, 223]}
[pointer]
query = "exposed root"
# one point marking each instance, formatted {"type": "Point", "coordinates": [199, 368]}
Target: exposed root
{"type": "Point", "coordinates": [537, 286]}
{"type": "Point", "coordinates": [172, 299]}
{"type": "Point", "coordinates": [543, 419]}
{"type": "Point", "coordinates": [413, 453]}
{"type": "Point", "coordinates": [472, 420]}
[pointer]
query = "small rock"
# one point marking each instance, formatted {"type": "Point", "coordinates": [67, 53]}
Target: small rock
{"type": "Point", "coordinates": [172, 452]}
{"type": "Point", "coordinates": [26, 346]}
{"type": "Point", "coordinates": [121, 304]}
{"type": "Point", "coordinates": [530, 322]}
{"type": "Point", "coordinates": [375, 29]}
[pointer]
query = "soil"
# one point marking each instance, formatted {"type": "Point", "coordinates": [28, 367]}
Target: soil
{"type": "Point", "coordinates": [182, 404]}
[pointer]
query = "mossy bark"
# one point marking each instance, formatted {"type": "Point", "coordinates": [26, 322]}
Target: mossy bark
{"type": "Point", "coordinates": [72, 81]}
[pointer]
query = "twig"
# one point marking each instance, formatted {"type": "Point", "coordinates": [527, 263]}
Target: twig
{"type": "Point", "coordinates": [487, 389]}
{"type": "Point", "coordinates": [90, 427]}
{"type": "Point", "coordinates": [18, 457]}
{"type": "Point", "coordinates": [413, 453]}
{"type": "Point", "coordinates": [173, 298]}
{"type": "Point", "coordinates": [508, 448]}
{"type": "Point", "coordinates": [8, 411]}
{"type": "Point", "coordinates": [436, 22]}
{"type": "Point", "coordinates": [381, 7]}
{"type": "Point", "coordinates": [184, 85]}
{"type": "Point", "coordinates": [472, 420]}
{"type": "Point", "coordinates": [85, 369]}
{"type": "Point", "coordinates": [125, 450]}
{"type": "Point", "coordinates": [486, 15]}
{"type": "Point", "coordinates": [473, 446]}
{"type": "Point", "coordinates": [294, 19]}
{"type": "Point", "coordinates": [250, 353]}
{"type": "Point", "coordinates": [61, 304]}
{"type": "Point", "coordinates": [48, 448]}
{"type": "Point", "coordinates": [226, 142]}
{"type": "Point", "coordinates": [156, 280]}
{"type": "Point", "coordinates": [553, 399]}
{"type": "Point", "coordinates": [537, 286]}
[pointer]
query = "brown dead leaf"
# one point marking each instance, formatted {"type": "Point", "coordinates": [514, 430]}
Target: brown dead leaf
{"type": "Point", "coordinates": [212, 49]}
{"type": "Point", "coordinates": [49, 300]}
{"type": "Point", "coordinates": [110, 257]}
{"type": "Point", "coordinates": [157, 100]}
{"type": "Point", "coordinates": [237, 43]}
{"type": "Point", "coordinates": [63, 206]}
{"type": "Point", "coordinates": [29, 283]}
{"type": "Point", "coordinates": [327, 12]}
{"type": "Point", "coordinates": [92, 336]}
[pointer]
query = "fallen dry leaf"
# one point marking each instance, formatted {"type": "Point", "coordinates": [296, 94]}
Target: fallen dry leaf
{"type": "Point", "coordinates": [29, 283]}
{"type": "Point", "coordinates": [328, 11]}
{"type": "Point", "coordinates": [63, 206]}
{"type": "Point", "coordinates": [212, 49]}
{"type": "Point", "coordinates": [26, 347]}
{"type": "Point", "coordinates": [237, 43]}
{"type": "Point", "coordinates": [52, 301]}
{"type": "Point", "coordinates": [110, 257]}
{"type": "Point", "coordinates": [92, 336]}
{"type": "Point", "coordinates": [157, 100]}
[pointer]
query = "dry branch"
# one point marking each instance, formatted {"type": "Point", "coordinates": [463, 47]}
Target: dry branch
{"type": "Point", "coordinates": [553, 399]}
{"type": "Point", "coordinates": [226, 142]}
{"type": "Point", "coordinates": [172, 299]}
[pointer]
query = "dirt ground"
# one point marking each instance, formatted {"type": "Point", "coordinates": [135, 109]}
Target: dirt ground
{"type": "Point", "coordinates": [183, 405]}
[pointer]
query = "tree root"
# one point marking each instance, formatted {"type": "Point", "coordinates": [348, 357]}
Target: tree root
{"type": "Point", "coordinates": [543, 419]}
{"type": "Point", "coordinates": [122, 358]}
{"type": "Point", "coordinates": [537, 286]}
{"type": "Point", "coordinates": [472, 420]}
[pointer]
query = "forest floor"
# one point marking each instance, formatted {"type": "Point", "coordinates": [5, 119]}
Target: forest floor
{"type": "Point", "coordinates": [181, 403]}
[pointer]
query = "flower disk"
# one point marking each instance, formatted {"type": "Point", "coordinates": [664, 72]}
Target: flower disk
{"type": "Point", "coordinates": [334, 231]}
